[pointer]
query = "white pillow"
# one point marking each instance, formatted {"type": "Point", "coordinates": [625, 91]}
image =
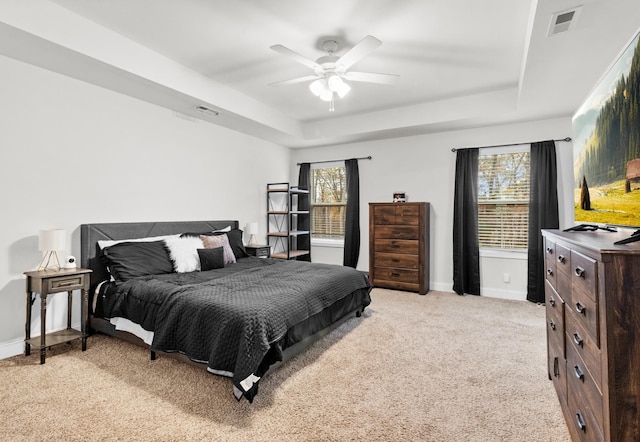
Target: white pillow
{"type": "Point", "coordinates": [184, 253]}
{"type": "Point", "coordinates": [108, 243]}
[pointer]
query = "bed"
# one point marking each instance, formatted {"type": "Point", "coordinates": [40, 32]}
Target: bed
{"type": "Point", "coordinates": [238, 315]}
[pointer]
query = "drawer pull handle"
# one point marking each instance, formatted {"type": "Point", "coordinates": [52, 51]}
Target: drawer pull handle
{"type": "Point", "coordinates": [579, 271]}
{"type": "Point", "coordinates": [581, 308]}
{"type": "Point", "coordinates": [395, 274]}
{"type": "Point", "coordinates": [549, 250]}
{"type": "Point", "coordinates": [66, 283]}
{"type": "Point", "coordinates": [580, 420]}
{"type": "Point", "coordinates": [577, 339]}
{"type": "Point", "coordinates": [556, 367]}
{"type": "Point", "coordinates": [561, 259]}
{"type": "Point", "coordinates": [552, 302]}
{"type": "Point", "coordinates": [549, 272]}
{"type": "Point", "coordinates": [579, 373]}
{"type": "Point", "coordinates": [552, 324]}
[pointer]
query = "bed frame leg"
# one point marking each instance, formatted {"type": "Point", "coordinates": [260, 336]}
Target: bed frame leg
{"type": "Point", "coordinates": [153, 355]}
{"type": "Point", "coordinates": [358, 313]}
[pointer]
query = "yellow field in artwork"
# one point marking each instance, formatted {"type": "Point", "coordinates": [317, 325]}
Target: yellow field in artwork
{"type": "Point", "coordinates": [610, 205]}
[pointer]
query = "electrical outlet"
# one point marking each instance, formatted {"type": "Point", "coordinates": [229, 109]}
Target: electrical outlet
{"type": "Point", "coordinates": [507, 277]}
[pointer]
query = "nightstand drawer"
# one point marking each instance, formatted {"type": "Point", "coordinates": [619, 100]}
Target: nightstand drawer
{"type": "Point", "coordinates": [65, 283]}
{"type": "Point", "coordinates": [259, 251]}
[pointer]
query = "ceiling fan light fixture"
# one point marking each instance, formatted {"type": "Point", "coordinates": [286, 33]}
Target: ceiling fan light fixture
{"type": "Point", "coordinates": [326, 95]}
{"type": "Point", "coordinates": [318, 87]}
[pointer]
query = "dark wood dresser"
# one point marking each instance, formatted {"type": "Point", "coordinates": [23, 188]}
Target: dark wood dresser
{"type": "Point", "coordinates": [593, 332]}
{"type": "Point", "coordinates": [399, 246]}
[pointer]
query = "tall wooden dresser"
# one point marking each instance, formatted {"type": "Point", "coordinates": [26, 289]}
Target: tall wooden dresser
{"type": "Point", "coordinates": [399, 246]}
{"type": "Point", "coordinates": [593, 332]}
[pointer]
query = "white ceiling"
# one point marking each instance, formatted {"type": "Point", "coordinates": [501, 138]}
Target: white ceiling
{"type": "Point", "coordinates": [461, 63]}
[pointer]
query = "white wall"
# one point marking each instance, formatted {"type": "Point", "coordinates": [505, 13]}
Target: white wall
{"type": "Point", "coordinates": [423, 167]}
{"type": "Point", "coordinates": [73, 153]}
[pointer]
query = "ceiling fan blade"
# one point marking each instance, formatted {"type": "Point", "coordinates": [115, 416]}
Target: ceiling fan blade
{"type": "Point", "coordinates": [368, 77]}
{"type": "Point", "coordinates": [297, 57]}
{"type": "Point", "coordinates": [359, 51]}
{"type": "Point", "coordinates": [295, 80]}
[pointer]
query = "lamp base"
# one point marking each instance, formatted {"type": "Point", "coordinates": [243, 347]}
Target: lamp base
{"type": "Point", "coordinates": [49, 265]}
{"type": "Point", "coordinates": [252, 240]}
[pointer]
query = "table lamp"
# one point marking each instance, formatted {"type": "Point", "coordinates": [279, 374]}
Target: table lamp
{"type": "Point", "coordinates": [50, 241]}
{"type": "Point", "coordinates": [252, 230]}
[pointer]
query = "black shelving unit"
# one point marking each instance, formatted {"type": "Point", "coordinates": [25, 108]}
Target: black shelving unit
{"type": "Point", "coordinates": [283, 218]}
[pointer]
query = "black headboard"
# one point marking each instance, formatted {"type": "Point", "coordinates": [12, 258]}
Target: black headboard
{"type": "Point", "coordinates": [90, 234]}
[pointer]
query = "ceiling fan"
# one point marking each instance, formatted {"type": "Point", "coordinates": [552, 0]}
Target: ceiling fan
{"type": "Point", "coordinates": [331, 71]}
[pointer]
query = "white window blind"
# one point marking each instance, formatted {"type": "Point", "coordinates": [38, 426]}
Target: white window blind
{"type": "Point", "coordinates": [503, 200]}
{"type": "Point", "coordinates": [328, 202]}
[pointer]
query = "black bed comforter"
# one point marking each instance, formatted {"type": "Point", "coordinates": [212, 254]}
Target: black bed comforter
{"type": "Point", "coordinates": [231, 318]}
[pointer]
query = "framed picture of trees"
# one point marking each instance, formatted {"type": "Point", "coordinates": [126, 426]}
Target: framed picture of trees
{"type": "Point", "coordinates": [606, 146]}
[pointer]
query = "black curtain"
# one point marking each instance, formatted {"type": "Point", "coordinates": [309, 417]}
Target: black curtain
{"type": "Point", "coordinates": [466, 250]}
{"type": "Point", "coordinates": [352, 216]}
{"type": "Point", "coordinates": [543, 212]}
{"type": "Point", "coordinates": [304, 222]}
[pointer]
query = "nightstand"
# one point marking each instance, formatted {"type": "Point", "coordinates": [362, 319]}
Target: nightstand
{"type": "Point", "coordinates": [48, 282]}
{"type": "Point", "coordinates": [260, 251]}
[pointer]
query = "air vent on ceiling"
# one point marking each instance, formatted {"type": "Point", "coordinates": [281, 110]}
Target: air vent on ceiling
{"type": "Point", "coordinates": [564, 21]}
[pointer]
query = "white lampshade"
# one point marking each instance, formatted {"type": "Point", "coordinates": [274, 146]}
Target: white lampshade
{"type": "Point", "coordinates": [52, 239]}
{"type": "Point", "coordinates": [252, 228]}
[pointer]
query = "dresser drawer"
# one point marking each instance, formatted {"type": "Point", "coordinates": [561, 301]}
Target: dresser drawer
{"type": "Point", "coordinates": [553, 303]}
{"type": "Point", "coordinates": [407, 215]}
{"type": "Point", "coordinates": [580, 382]}
{"type": "Point", "coordinates": [563, 260]}
{"type": "Point", "coordinates": [584, 276]}
{"type": "Point", "coordinates": [584, 345]}
{"type": "Point", "coordinates": [405, 247]}
{"type": "Point", "coordinates": [550, 272]}
{"type": "Point", "coordinates": [582, 420]}
{"type": "Point", "coordinates": [557, 367]}
{"type": "Point", "coordinates": [555, 319]}
{"type": "Point", "coordinates": [400, 275]}
{"type": "Point", "coordinates": [585, 312]}
{"type": "Point", "coordinates": [397, 232]}
{"type": "Point", "coordinates": [396, 260]}
{"type": "Point", "coordinates": [397, 214]}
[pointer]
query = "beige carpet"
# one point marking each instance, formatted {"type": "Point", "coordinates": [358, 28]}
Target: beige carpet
{"type": "Point", "coordinates": [431, 368]}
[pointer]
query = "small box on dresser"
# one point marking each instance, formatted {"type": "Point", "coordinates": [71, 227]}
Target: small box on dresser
{"type": "Point", "coordinates": [399, 246]}
{"type": "Point", "coordinates": [593, 332]}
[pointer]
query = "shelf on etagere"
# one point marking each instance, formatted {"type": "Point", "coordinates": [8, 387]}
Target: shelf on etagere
{"type": "Point", "coordinates": [289, 233]}
{"type": "Point", "coordinates": [292, 254]}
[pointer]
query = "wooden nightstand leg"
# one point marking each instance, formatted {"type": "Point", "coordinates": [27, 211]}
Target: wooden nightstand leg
{"type": "Point", "coordinates": [27, 326]}
{"type": "Point", "coordinates": [69, 302]}
{"type": "Point", "coordinates": [84, 316]}
{"type": "Point", "coordinates": [43, 328]}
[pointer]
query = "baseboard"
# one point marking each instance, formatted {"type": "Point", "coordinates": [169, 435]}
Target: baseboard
{"type": "Point", "coordinates": [503, 294]}
{"type": "Point", "coordinates": [13, 348]}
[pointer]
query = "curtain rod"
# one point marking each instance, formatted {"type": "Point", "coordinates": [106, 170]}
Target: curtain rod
{"type": "Point", "coordinates": [453, 149]}
{"type": "Point", "coordinates": [333, 161]}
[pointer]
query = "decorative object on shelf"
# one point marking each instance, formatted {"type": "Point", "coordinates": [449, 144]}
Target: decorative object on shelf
{"type": "Point", "coordinates": [252, 231]}
{"type": "Point", "coordinates": [50, 241]}
{"type": "Point", "coordinates": [70, 262]}
{"type": "Point", "coordinates": [399, 197]}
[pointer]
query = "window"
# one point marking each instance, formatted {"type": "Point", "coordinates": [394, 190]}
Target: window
{"type": "Point", "coordinates": [328, 202]}
{"type": "Point", "coordinates": [503, 199]}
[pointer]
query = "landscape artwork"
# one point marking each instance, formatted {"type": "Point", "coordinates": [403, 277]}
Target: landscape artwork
{"type": "Point", "coordinates": [606, 146]}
